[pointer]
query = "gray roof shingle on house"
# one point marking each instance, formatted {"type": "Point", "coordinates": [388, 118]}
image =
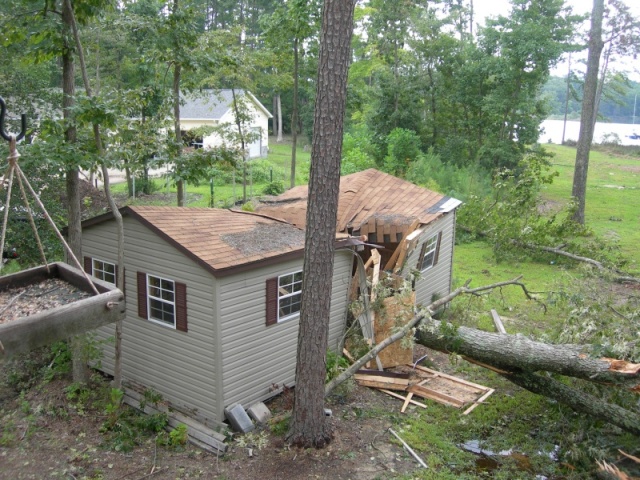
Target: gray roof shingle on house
{"type": "Point", "coordinates": [212, 104]}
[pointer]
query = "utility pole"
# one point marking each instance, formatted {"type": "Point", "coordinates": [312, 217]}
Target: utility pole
{"type": "Point", "coordinates": [566, 101]}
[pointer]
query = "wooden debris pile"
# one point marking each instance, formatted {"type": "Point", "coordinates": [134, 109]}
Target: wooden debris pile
{"type": "Point", "coordinates": [427, 384]}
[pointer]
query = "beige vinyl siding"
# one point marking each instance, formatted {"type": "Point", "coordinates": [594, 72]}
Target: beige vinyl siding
{"type": "Point", "coordinates": [436, 280]}
{"type": "Point", "coordinates": [178, 365]}
{"type": "Point", "coordinates": [256, 356]}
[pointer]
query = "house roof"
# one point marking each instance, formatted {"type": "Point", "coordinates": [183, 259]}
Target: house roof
{"type": "Point", "coordinates": [213, 104]}
{"type": "Point", "coordinates": [222, 241]}
{"type": "Point", "coordinates": [370, 202]}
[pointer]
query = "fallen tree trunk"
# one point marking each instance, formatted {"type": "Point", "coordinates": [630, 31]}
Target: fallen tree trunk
{"type": "Point", "coordinates": [577, 400]}
{"type": "Point", "coordinates": [518, 353]}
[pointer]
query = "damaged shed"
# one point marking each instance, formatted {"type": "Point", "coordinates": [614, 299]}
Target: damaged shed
{"type": "Point", "coordinates": [213, 299]}
{"type": "Point", "coordinates": [415, 226]}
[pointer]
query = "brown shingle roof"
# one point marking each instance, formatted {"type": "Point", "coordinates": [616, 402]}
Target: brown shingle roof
{"type": "Point", "coordinates": [370, 201]}
{"type": "Point", "coordinates": [223, 241]}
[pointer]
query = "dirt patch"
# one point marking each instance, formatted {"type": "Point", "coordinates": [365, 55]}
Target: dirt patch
{"type": "Point", "coordinates": [44, 435]}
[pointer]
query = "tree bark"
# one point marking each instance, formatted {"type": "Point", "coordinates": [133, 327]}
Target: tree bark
{"type": "Point", "coordinates": [308, 425]}
{"type": "Point", "coordinates": [294, 114]}
{"type": "Point", "coordinates": [585, 137]}
{"type": "Point", "coordinates": [516, 353]}
{"type": "Point", "coordinates": [117, 369]}
{"type": "Point", "coordinates": [577, 400]}
{"type": "Point", "coordinates": [177, 71]}
{"type": "Point", "coordinates": [72, 182]}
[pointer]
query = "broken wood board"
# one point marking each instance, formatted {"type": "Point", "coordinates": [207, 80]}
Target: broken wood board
{"type": "Point", "coordinates": [197, 433]}
{"type": "Point", "coordinates": [386, 380]}
{"type": "Point", "coordinates": [397, 312]}
{"type": "Point", "coordinates": [427, 384]}
{"type": "Point", "coordinates": [43, 328]}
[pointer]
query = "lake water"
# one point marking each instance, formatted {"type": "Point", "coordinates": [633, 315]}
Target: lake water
{"type": "Point", "coordinates": [552, 132]}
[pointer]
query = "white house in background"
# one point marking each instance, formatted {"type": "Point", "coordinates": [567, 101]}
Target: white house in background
{"type": "Point", "coordinates": [215, 108]}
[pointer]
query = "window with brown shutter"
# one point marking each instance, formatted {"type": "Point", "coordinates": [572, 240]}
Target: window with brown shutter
{"type": "Point", "coordinates": [162, 301]}
{"type": "Point", "coordinates": [284, 297]}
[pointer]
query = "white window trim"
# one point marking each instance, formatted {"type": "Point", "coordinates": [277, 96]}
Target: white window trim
{"type": "Point", "coordinates": [288, 295]}
{"type": "Point", "coordinates": [151, 297]}
{"type": "Point", "coordinates": [434, 239]}
{"type": "Point", "coordinates": [103, 262]}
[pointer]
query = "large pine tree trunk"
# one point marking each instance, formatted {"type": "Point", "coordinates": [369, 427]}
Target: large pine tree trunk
{"type": "Point", "coordinates": [308, 426]}
{"type": "Point", "coordinates": [585, 137]}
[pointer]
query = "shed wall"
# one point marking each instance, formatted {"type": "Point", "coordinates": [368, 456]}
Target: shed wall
{"type": "Point", "coordinates": [436, 280]}
{"type": "Point", "coordinates": [257, 356]}
{"type": "Point", "coordinates": [181, 366]}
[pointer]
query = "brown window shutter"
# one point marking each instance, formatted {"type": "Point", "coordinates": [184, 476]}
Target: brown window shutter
{"type": "Point", "coordinates": [272, 301]}
{"type": "Point", "coordinates": [423, 250]}
{"type": "Point", "coordinates": [142, 295]}
{"type": "Point", "coordinates": [181, 307]}
{"type": "Point", "coordinates": [437, 254]}
{"type": "Point", "coordinates": [87, 265]}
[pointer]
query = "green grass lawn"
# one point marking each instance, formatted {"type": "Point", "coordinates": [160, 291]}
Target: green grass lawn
{"type": "Point", "coordinates": [613, 196]}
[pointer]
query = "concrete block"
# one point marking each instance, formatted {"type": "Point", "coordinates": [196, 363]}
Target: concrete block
{"type": "Point", "coordinates": [259, 412]}
{"type": "Point", "coordinates": [328, 412]}
{"type": "Point", "coordinates": [238, 418]}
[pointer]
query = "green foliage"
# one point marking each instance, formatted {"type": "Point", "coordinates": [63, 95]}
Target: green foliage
{"type": "Point", "coordinates": [336, 364]}
{"type": "Point", "coordinates": [125, 428]}
{"type": "Point", "coordinates": [274, 188]}
{"type": "Point", "coordinates": [358, 152]}
{"type": "Point", "coordinates": [178, 437]}
{"type": "Point", "coordinates": [460, 182]}
{"type": "Point", "coordinates": [403, 148]}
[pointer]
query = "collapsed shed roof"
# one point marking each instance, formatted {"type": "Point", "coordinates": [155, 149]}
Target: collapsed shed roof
{"type": "Point", "coordinates": [370, 201]}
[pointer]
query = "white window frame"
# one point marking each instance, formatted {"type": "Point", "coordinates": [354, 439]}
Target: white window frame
{"type": "Point", "coordinates": [283, 294]}
{"type": "Point", "coordinates": [164, 301]}
{"type": "Point", "coordinates": [431, 248]}
{"type": "Point", "coordinates": [98, 270]}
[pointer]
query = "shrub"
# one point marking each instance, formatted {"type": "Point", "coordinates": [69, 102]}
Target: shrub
{"type": "Point", "coordinates": [274, 188]}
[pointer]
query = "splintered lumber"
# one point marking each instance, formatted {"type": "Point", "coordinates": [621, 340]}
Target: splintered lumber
{"type": "Point", "coordinates": [409, 449]}
{"type": "Point", "coordinates": [497, 321]}
{"type": "Point", "coordinates": [479, 401]}
{"type": "Point", "coordinates": [396, 395]}
{"type": "Point", "coordinates": [48, 326]}
{"type": "Point", "coordinates": [386, 380]}
{"type": "Point", "coordinates": [425, 392]}
{"type": "Point", "coordinates": [198, 434]}
{"type": "Point", "coordinates": [474, 386]}
{"type": "Point", "coordinates": [401, 245]}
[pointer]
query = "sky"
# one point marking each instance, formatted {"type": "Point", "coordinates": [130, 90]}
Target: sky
{"type": "Point", "coordinates": [484, 8]}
